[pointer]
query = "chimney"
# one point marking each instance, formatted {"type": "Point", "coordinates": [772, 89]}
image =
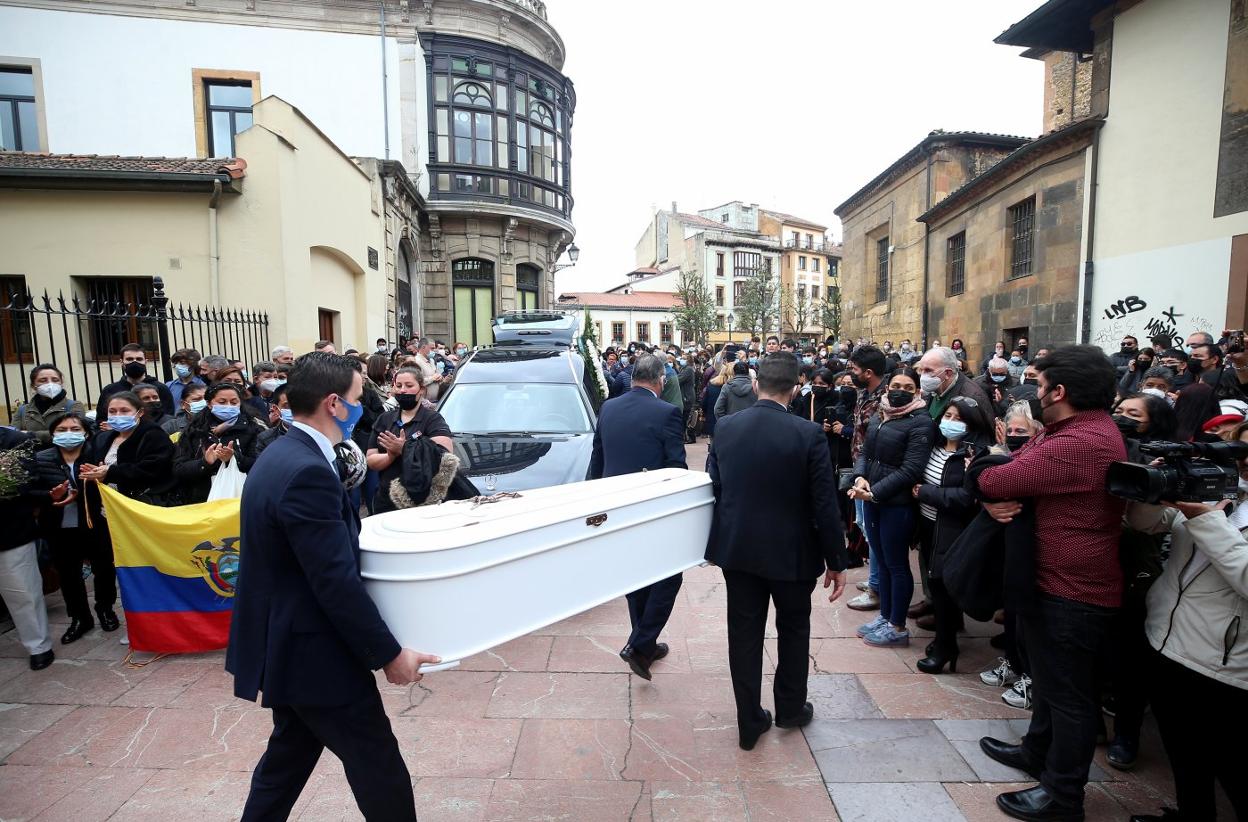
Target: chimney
{"type": "Point", "coordinates": [674, 207]}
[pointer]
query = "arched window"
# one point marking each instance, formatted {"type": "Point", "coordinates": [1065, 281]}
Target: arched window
{"type": "Point", "coordinates": [473, 283]}
{"type": "Point", "coordinates": [528, 289]}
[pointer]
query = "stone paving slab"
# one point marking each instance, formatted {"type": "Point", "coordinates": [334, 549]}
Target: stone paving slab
{"type": "Point", "coordinates": [885, 750]}
{"type": "Point", "coordinates": [866, 802]}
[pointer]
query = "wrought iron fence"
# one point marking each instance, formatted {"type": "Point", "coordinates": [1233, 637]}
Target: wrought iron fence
{"type": "Point", "coordinates": [83, 337]}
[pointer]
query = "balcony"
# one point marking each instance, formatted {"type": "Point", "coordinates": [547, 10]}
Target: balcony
{"type": "Point", "coordinates": [536, 7]}
{"type": "Point", "coordinates": [449, 181]}
{"type": "Point", "coordinates": [817, 246]}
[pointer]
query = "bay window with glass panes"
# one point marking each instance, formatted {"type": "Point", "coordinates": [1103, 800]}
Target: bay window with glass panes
{"type": "Point", "coordinates": [500, 123]}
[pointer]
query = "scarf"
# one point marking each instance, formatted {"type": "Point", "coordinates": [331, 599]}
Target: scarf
{"type": "Point", "coordinates": [890, 413]}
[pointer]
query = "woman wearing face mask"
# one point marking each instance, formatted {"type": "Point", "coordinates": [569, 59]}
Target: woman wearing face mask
{"type": "Point", "coordinates": [66, 504]}
{"type": "Point", "coordinates": [131, 454]}
{"type": "Point", "coordinates": [393, 428]}
{"type": "Point", "coordinates": [153, 409]}
{"type": "Point", "coordinates": [222, 432]}
{"type": "Point", "coordinates": [1132, 380]}
{"type": "Point", "coordinates": [192, 403]}
{"type": "Point", "coordinates": [946, 506]}
{"type": "Point", "coordinates": [284, 419]}
{"type": "Point", "coordinates": [892, 460]}
{"type": "Point", "coordinates": [959, 350]}
{"type": "Point", "coordinates": [47, 400]}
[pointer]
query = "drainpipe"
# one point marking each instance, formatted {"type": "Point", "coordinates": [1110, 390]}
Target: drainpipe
{"type": "Point", "coordinates": [385, 91]}
{"type": "Point", "coordinates": [1085, 331]}
{"type": "Point", "coordinates": [214, 251]}
{"type": "Point", "coordinates": [927, 235]}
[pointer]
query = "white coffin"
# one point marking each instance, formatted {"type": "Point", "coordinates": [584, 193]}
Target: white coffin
{"type": "Point", "coordinates": [457, 579]}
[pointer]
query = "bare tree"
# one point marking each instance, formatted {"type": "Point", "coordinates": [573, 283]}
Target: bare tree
{"type": "Point", "coordinates": [695, 316]}
{"type": "Point", "coordinates": [759, 306]}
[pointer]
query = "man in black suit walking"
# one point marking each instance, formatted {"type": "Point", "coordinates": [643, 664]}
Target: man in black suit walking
{"type": "Point", "coordinates": [776, 528]}
{"type": "Point", "coordinates": [640, 432]}
{"type": "Point", "coordinates": [304, 631]}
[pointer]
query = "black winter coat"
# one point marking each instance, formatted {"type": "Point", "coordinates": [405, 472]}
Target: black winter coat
{"type": "Point", "coordinates": [955, 504]}
{"type": "Point", "coordinates": [192, 474]}
{"type": "Point", "coordinates": [51, 471]}
{"type": "Point", "coordinates": [17, 513]}
{"type": "Point", "coordinates": [894, 456]}
{"type": "Point", "coordinates": [144, 461]}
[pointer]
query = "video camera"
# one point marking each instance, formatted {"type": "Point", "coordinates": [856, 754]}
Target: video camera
{"type": "Point", "coordinates": [1189, 472]}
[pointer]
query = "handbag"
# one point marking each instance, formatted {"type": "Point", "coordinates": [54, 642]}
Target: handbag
{"type": "Point", "coordinates": [228, 482]}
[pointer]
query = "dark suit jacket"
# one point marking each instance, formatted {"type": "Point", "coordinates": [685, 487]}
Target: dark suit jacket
{"type": "Point", "coordinates": [776, 512]}
{"type": "Point", "coordinates": [637, 432]}
{"type": "Point", "coordinates": [304, 630]}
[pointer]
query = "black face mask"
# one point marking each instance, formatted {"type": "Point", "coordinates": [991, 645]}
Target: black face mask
{"type": "Point", "coordinates": [1144, 364]}
{"type": "Point", "coordinates": [1129, 427]}
{"type": "Point", "coordinates": [1128, 350]}
{"type": "Point", "coordinates": [1030, 381]}
{"type": "Point", "coordinates": [134, 370]}
{"type": "Point", "coordinates": [407, 401]}
{"type": "Point", "coordinates": [820, 390]}
{"type": "Point", "coordinates": [858, 380]}
{"type": "Point", "coordinates": [153, 409]}
{"type": "Point", "coordinates": [900, 399]}
{"type": "Point", "coordinates": [1016, 441]}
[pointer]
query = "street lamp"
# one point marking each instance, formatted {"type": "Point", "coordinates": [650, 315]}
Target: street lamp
{"type": "Point", "coordinates": [574, 254]}
{"type": "Point", "coordinates": [731, 319]}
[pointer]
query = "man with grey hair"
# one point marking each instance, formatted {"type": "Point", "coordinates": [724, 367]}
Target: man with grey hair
{"type": "Point", "coordinates": [429, 376]}
{"type": "Point", "coordinates": [942, 380]}
{"type": "Point", "coordinates": [211, 366]}
{"type": "Point", "coordinates": [995, 383]}
{"type": "Point", "coordinates": [283, 355]}
{"type": "Point", "coordinates": [640, 432]}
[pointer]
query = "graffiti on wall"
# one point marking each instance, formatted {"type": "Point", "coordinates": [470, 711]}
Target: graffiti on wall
{"type": "Point", "coordinates": [1126, 317]}
{"type": "Point", "coordinates": [1125, 306]}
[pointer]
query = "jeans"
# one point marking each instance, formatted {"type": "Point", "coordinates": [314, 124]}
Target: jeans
{"type": "Point", "coordinates": [1065, 640]}
{"type": "Point", "coordinates": [889, 529]}
{"type": "Point", "coordinates": [873, 560]}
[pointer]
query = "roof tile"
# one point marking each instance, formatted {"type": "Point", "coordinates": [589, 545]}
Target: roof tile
{"type": "Point", "coordinates": [235, 167]}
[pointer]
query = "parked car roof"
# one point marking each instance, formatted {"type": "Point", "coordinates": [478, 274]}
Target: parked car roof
{"type": "Point", "coordinates": [522, 364]}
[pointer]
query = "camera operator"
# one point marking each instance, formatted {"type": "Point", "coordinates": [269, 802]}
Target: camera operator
{"type": "Point", "coordinates": [1078, 578]}
{"type": "Point", "coordinates": [1199, 647]}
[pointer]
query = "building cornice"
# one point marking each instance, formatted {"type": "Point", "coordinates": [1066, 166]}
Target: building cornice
{"type": "Point", "coordinates": [477, 208]}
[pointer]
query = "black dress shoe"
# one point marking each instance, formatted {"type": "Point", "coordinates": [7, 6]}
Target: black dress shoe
{"type": "Point", "coordinates": [108, 620]}
{"type": "Point", "coordinates": [802, 719]}
{"type": "Point", "coordinates": [1123, 752]}
{"type": "Point", "coordinates": [76, 630]}
{"type": "Point", "coordinates": [1013, 756]}
{"type": "Point", "coordinates": [1166, 815]}
{"type": "Point", "coordinates": [660, 651]}
{"type": "Point", "coordinates": [1036, 804]}
{"type": "Point", "coordinates": [639, 664]}
{"type": "Point", "coordinates": [40, 661]}
{"type": "Point", "coordinates": [749, 736]}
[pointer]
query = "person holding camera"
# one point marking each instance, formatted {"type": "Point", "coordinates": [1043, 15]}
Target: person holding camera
{"type": "Point", "coordinates": [1199, 643]}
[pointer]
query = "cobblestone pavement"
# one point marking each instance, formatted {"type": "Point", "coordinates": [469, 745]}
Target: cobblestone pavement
{"type": "Point", "coordinates": [551, 726]}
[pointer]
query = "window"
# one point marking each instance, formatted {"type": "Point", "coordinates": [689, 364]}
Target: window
{"type": "Point", "coordinates": [527, 279]}
{"type": "Point", "coordinates": [834, 268]}
{"type": "Point", "coordinates": [737, 290]}
{"type": "Point", "coordinates": [473, 284]}
{"type": "Point", "coordinates": [814, 263]}
{"type": "Point", "coordinates": [490, 407]}
{"type": "Point", "coordinates": [665, 333]}
{"type": "Point", "coordinates": [955, 264]}
{"type": "Point", "coordinates": [719, 263]}
{"type": "Point", "coordinates": [617, 333]}
{"type": "Point", "coordinates": [881, 269]}
{"type": "Point", "coordinates": [810, 241]}
{"type": "Point", "coordinates": [404, 311]}
{"type": "Point", "coordinates": [746, 263]}
{"type": "Point", "coordinates": [19, 120]}
{"type": "Point", "coordinates": [801, 289]}
{"type": "Point", "coordinates": [229, 112]}
{"type": "Point", "coordinates": [719, 295]}
{"type": "Point", "coordinates": [325, 323]}
{"type": "Point", "coordinates": [801, 263]}
{"type": "Point", "coordinates": [723, 218]}
{"type": "Point", "coordinates": [15, 332]}
{"type": "Point", "coordinates": [643, 332]}
{"type": "Point", "coordinates": [126, 303]}
{"type": "Point", "coordinates": [796, 239]}
{"type": "Point", "coordinates": [1021, 220]}
{"type": "Point", "coordinates": [814, 292]}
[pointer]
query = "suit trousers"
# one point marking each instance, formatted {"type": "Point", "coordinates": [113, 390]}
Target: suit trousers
{"type": "Point", "coordinates": [70, 546]}
{"type": "Point", "coordinates": [1065, 641]}
{"type": "Point", "coordinates": [748, 597]}
{"type": "Point", "coordinates": [649, 609]}
{"type": "Point", "coordinates": [21, 588]}
{"type": "Point", "coordinates": [359, 734]}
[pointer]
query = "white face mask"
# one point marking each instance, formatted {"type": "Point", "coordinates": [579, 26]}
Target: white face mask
{"type": "Point", "coordinates": [49, 390]}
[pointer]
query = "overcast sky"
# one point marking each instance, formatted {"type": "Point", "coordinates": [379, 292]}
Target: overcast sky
{"type": "Point", "coordinates": [792, 104]}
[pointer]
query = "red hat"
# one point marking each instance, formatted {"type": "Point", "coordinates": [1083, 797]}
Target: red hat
{"type": "Point", "coordinates": [1214, 422]}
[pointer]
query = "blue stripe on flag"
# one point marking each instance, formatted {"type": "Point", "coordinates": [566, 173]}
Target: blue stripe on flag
{"type": "Point", "coordinates": [145, 589]}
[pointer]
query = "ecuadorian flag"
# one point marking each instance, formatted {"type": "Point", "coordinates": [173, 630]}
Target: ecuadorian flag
{"type": "Point", "coordinates": [176, 568]}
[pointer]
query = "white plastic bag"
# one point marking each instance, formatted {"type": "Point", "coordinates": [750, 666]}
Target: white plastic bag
{"type": "Point", "coordinates": [228, 482]}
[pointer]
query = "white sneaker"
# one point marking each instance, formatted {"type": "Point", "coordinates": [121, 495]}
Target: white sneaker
{"type": "Point", "coordinates": [863, 586]}
{"type": "Point", "coordinates": [1001, 676]}
{"type": "Point", "coordinates": [1019, 695]}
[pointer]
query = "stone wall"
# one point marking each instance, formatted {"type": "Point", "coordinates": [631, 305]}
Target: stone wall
{"type": "Point", "coordinates": [1067, 89]}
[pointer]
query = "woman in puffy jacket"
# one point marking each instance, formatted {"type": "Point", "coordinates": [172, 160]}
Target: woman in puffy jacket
{"type": "Point", "coordinates": [226, 430]}
{"type": "Point", "coordinates": [892, 461]}
{"type": "Point", "coordinates": [1198, 629]}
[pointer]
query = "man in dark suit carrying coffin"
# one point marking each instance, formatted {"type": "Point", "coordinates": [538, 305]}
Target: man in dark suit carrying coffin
{"type": "Point", "coordinates": [304, 631]}
{"type": "Point", "coordinates": [640, 432]}
{"type": "Point", "coordinates": [776, 529]}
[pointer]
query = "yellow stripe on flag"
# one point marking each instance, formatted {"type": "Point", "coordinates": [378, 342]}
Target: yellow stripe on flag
{"type": "Point", "coordinates": [164, 538]}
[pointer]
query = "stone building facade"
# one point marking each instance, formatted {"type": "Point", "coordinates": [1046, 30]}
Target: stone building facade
{"type": "Point", "coordinates": [883, 269]}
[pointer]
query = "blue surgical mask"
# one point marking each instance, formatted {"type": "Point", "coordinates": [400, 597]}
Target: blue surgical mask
{"type": "Point", "coordinates": [953, 429]}
{"type": "Point", "coordinates": [808, 360]}
{"type": "Point", "coordinates": [196, 406]}
{"type": "Point", "coordinates": [998, 377]}
{"type": "Point", "coordinates": [753, 360]}
{"type": "Point", "coordinates": [288, 416]}
{"type": "Point", "coordinates": [183, 371]}
{"type": "Point", "coordinates": [354, 412]}
{"type": "Point", "coordinates": [681, 362]}
{"type": "Point", "coordinates": [1016, 360]}
{"type": "Point", "coordinates": [226, 413]}
{"type": "Point", "coordinates": [121, 423]}
{"type": "Point", "coordinates": [68, 439]}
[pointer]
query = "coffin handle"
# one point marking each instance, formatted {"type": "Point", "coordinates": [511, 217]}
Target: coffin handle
{"type": "Point", "coordinates": [595, 520]}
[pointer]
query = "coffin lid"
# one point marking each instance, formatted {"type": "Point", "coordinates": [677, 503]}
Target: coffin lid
{"type": "Point", "coordinates": [464, 523]}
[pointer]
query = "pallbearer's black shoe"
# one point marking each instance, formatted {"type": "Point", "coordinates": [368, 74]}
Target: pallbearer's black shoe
{"type": "Point", "coordinates": [1036, 804]}
{"type": "Point", "coordinates": [108, 620]}
{"type": "Point", "coordinates": [40, 661]}
{"type": "Point", "coordinates": [1012, 756]}
{"type": "Point", "coordinates": [748, 737]}
{"type": "Point", "coordinates": [638, 663]}
{"type": "Point", "coordinates": [76, 630]}
{"type": "Point", "coordinates": [802, 719]}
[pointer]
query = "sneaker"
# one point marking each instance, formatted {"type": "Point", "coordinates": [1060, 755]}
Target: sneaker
{"type": "Point", "coordinates": [870, 601]}
{"type": "Point", "coordinates": [1001, 676]}
{"type": "Point", "coordinates": [863, 586]}
{"type": "Point", "coordinates": [1019, 696]}
{"type": "Point", "coordinates": [888, 637]}
{"type": "Point", "coordinates": [872, 626]}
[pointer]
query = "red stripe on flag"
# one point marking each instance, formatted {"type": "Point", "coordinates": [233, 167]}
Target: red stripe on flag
{"type": "Point", "coordinates": [178, 632]}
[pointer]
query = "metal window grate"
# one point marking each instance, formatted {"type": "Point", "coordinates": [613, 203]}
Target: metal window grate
{"type": "Point", "coordinates": [881, 270]}
{"type": "Point", "coordinates": [955, 264]}
{"type": "Point", "coordinates": [1022, 222]}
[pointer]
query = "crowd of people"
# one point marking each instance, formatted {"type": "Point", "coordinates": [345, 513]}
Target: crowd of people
{"type": "Point", "coordinates": [992, 470]}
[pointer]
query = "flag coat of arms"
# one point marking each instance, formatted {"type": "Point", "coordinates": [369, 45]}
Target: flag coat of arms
{"type": "Point", "coordinates": [176, 568]}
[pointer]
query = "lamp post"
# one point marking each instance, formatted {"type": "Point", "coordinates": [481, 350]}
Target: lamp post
{"type": "Point", "coordinates": [731, 319]}
{"type": "Point", "coordinates": [574, 254]}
